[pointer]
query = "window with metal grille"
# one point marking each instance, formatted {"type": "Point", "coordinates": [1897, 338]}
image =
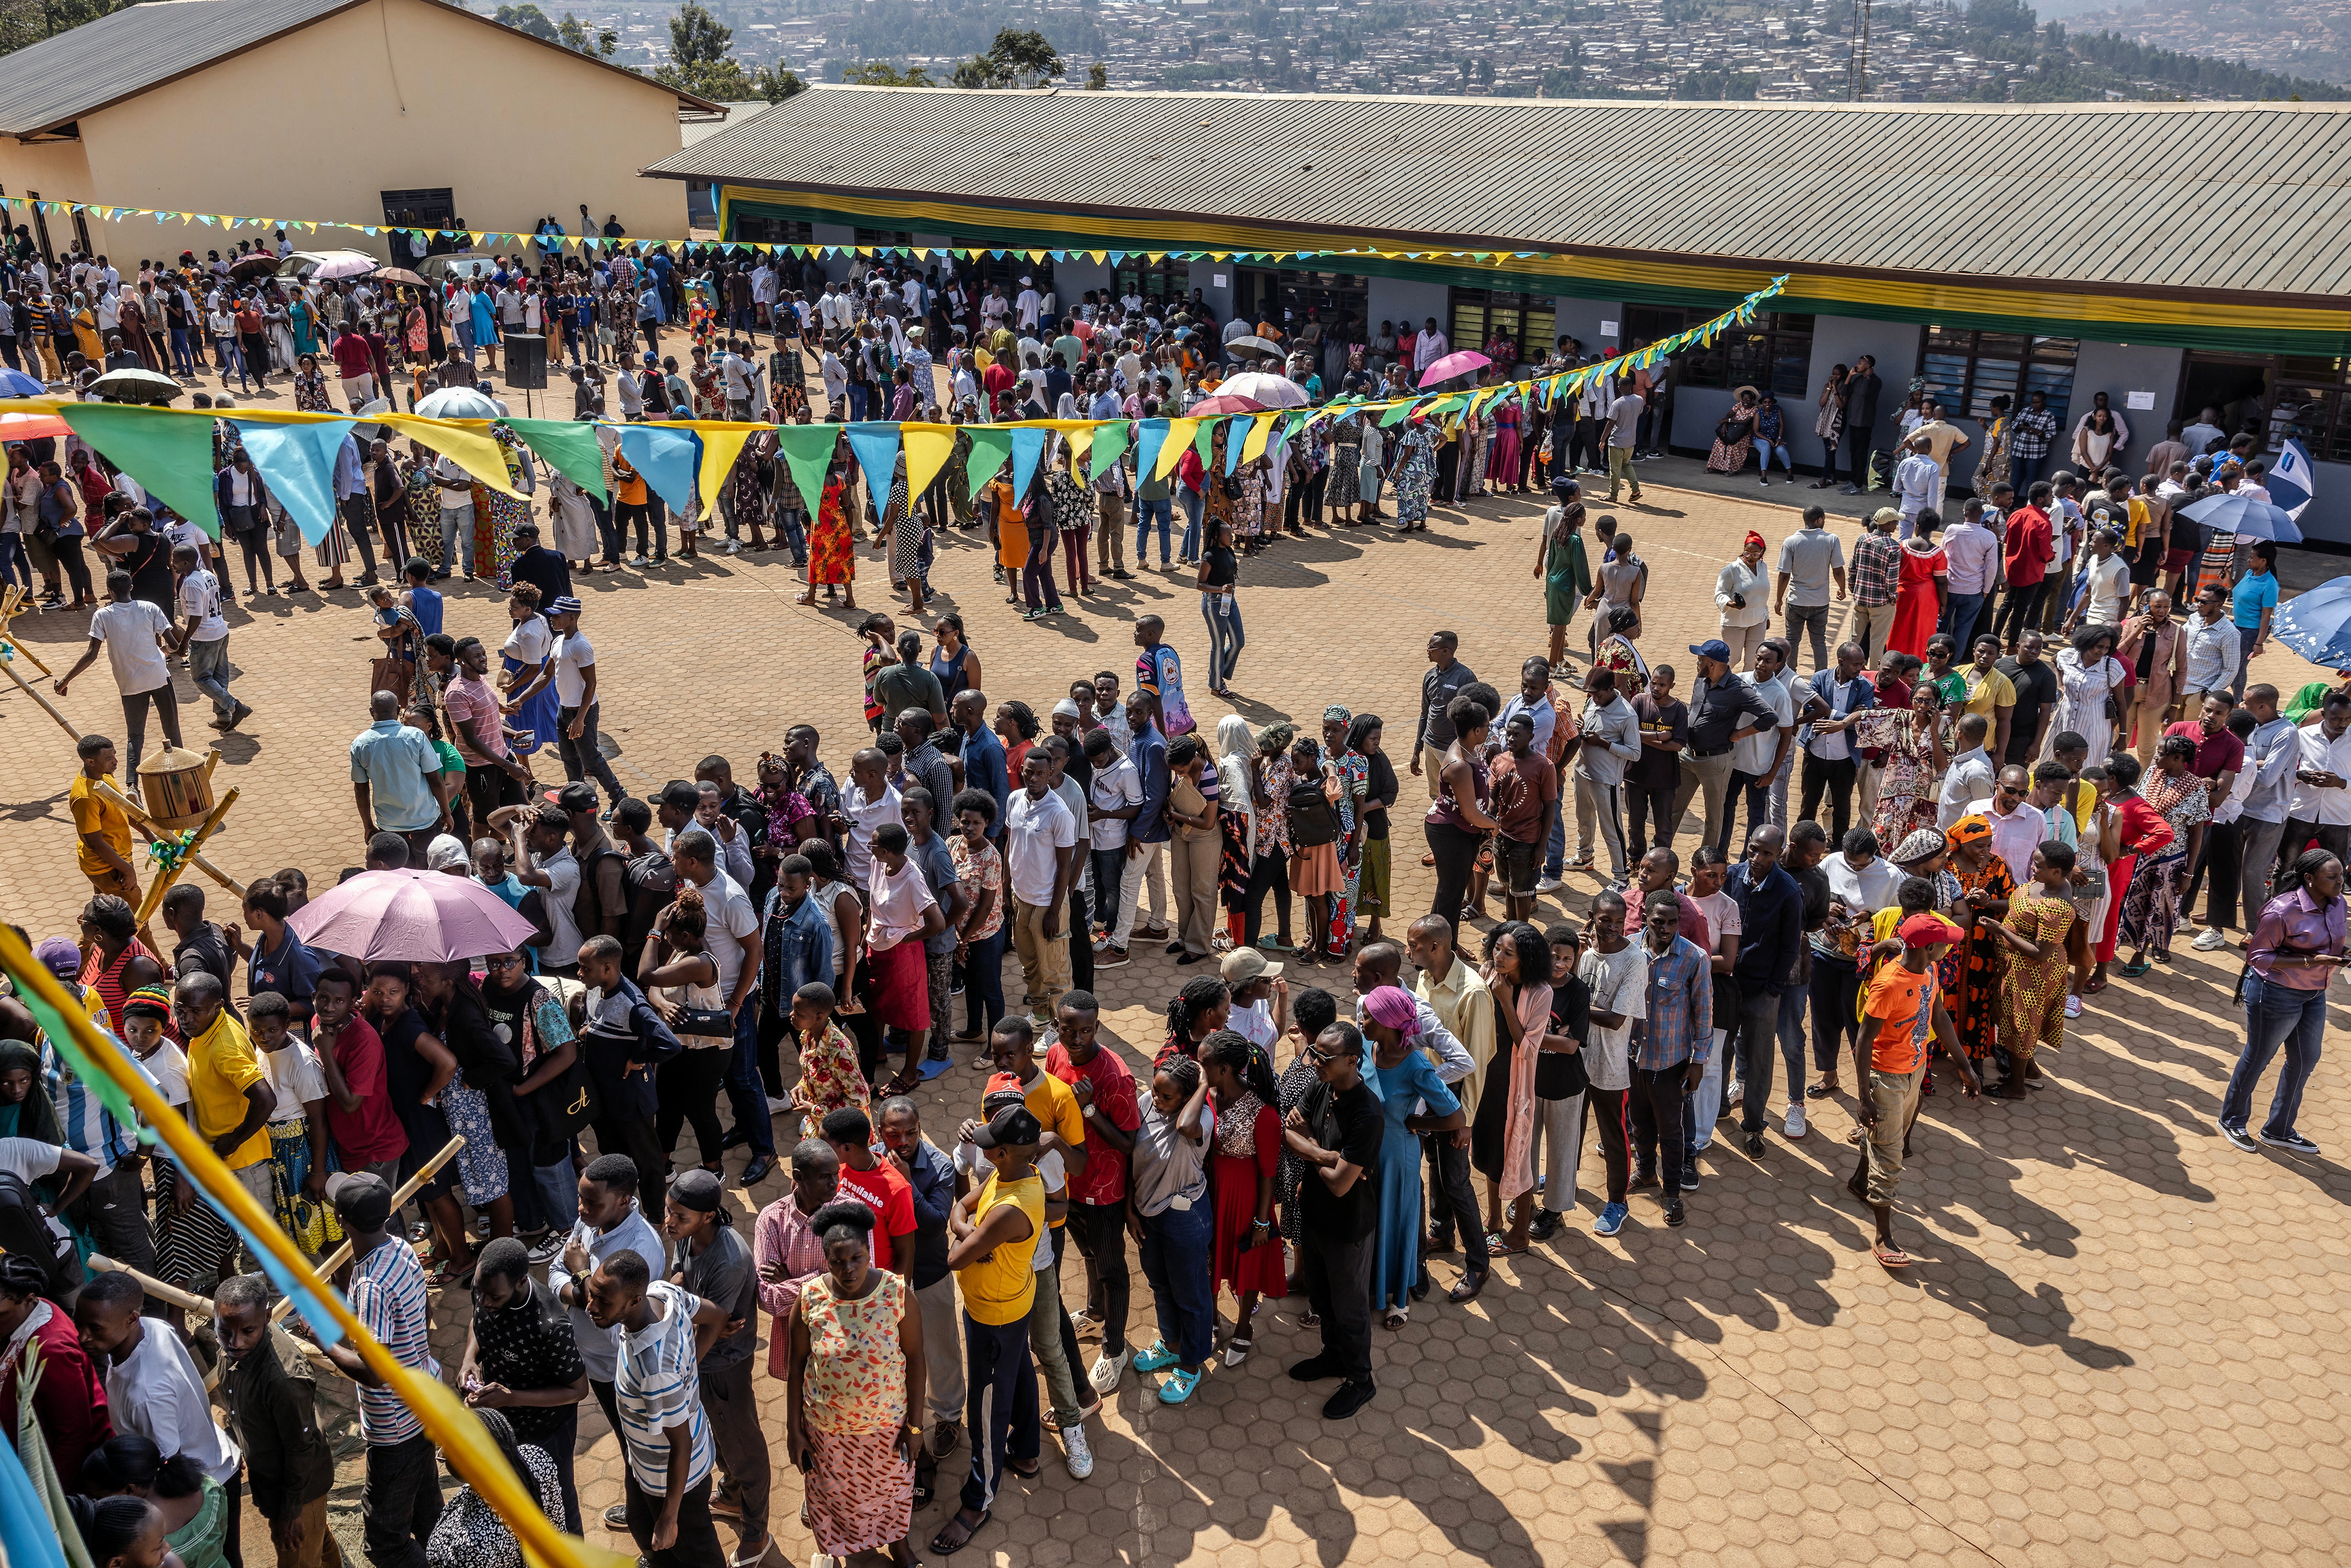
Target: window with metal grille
{"type": "Point", "coordinates": [773, 230]}
{"type": "Point", "coordinates": [884, 236]}
{"type": "Point", "coordinates": [1486, 317]}
{"type": "Point", "coordinates": [1155, 281]}
{"type": "Point", "coordinates": [1964, 369]}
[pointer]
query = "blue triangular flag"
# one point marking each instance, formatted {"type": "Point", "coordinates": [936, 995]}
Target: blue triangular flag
{"type": "Point", "coordinates": [1150, 435]}
{"type": "Point", "coordinates": [875, 443]}
{"type": "Point", "coordinates": [1028, 447]}
{"type": "Point", "coordinates": [298, 463]}
{"type": "Point", "coordinates": [668, 458]}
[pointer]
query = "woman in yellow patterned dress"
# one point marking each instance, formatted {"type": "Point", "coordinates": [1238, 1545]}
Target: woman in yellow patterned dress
{"type": "Point", "coordinates": [2043, 935]}
{"type": "Point", "coordinates": [856, 1387]}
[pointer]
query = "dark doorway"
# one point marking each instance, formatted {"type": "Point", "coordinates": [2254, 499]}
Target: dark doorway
{"type": "Point", "coordinates": [2240, 388]}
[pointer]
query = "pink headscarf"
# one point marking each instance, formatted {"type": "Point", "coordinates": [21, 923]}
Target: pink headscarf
{"type": "Point", "coordinates": [1391, 1006]}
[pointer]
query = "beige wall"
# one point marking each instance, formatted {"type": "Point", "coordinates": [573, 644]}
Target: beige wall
{"type": "Point", "coordinates": [393, 95]}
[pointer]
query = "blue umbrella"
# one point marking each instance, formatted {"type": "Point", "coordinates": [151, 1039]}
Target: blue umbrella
{"type": "Point", "coordinates": [16, 383]}
{"type": "Point", "coordinates": [2316, 624]}
{"type": "Point", "coordinates": [2232, 513]}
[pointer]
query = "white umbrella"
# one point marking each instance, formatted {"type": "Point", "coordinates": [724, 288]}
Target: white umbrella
{"type": "Point", "coordinates": [329, 264]}
{"type": "Point", "coordinates": [2249, 516]}
{"type": "Point", "coordinates": [1274, 391]}
{"type": "Point", "coordinates": [456, 402]}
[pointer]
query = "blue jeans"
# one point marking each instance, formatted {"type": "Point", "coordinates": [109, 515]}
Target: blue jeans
{"type": "Point", "coordinates": [2275, 1016]}
{"type": "Point", "coordinates": [207, 666]}
{"type": "Point", "coordinates": [15, 566]}
{"type": "Point", "coordinates": [1967, 612]}
{"type": "Point", "coordinates": [558, 1188]}
{"type": "Point", "coordinates": [1176, 1258]}
{"type": "Point", "coordinates": [1164, 510]}
{"type": "Point", "coordinates": [1192, 507]}
{"type": "Point", "coordinates": [745, 1090]}
{"type": "Point", "coordinates": [184, 358]}
{"type": "Point", "coordinates": [791, 535]}
{"type": "Point", "coordinates": [2246, 637]}
{"type": "Point", "coordinates": [983, 981]}
{"type": "Point", "coordinates": [1555, 841]}
{"type": "Point", "coordinates": [1226, 639]}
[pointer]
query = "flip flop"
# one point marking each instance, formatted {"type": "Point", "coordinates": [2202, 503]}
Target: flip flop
{"type": "Point", "coordinates": [1890, 1257]}
{"type": "Point", "coordinates": [946, 1548]}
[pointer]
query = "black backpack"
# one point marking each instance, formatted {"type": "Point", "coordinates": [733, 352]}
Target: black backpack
{"type": "Point", "coordinates": [1313, 821]}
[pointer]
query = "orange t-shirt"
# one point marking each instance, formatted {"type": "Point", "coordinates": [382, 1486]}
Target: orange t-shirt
{"type": "Point", "coordinates": [633, 484]}
{"type": "Point", "coordinates": [1905, 1003]}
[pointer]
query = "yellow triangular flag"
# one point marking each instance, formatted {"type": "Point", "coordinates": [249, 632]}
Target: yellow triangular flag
{"type": "Point", "coordinates": [1180, 435]}
{"type": "Point", "coordinates": [927, 448]}
{"type": "Point", "coordinates": [1261, 428]}
{"type": "Point", "coordinates": [472, 450]}
{"type": "Point", "coordinates": [720, 448]}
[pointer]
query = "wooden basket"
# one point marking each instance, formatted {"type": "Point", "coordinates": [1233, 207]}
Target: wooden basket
{"type": "Point", "coordinates": [176, 786]}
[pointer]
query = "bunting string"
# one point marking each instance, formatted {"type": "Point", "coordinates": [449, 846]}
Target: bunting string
{"type": "Point", "coordinates": [594, 243]}
{"type": "Point", "coordinates": [169, 451]}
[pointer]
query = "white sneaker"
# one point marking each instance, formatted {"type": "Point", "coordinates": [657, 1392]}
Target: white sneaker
{"type": "Point", "coordinates": [777, 1107]}
{"type": "Point", "coordinates": [2072, 1007]}
{"type": "Point", "coordinates": [1794, 1127]}
{"type": "Point", "coordinates": [734, 547]}
{"type": "Point", "coordinates": [1108, 1369]}
{"type": "Point", "coordinates": [2208, 939]}
{"type": "Point", "coordinates": [1076, 1452]}
{"type": "Point", "coordinates": [1737, 1093]}
{"type": "Point", "coordinates": [1549, 884]}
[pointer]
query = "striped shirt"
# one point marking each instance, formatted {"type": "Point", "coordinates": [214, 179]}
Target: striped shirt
{"type": "Point", "coordinates": [387, 1296]}
{"type": "Point", "coordinates": [89, 1128]}
{"type": "Point", "coordinates": [656, 1387]}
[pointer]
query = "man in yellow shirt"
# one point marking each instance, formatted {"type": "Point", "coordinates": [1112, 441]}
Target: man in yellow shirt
{"type": "Point", "coordinates": [995, 1232]}
{"type": "Point", "coordinates": [1012, 1048]}
{"type": "Point", "coordinates": [226, 1086]}
{"type": "Point", "coordinates": [104, 850]}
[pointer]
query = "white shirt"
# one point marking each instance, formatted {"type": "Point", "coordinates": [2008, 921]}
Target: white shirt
{"type": "Point", "coordinates": [1620, 983]}
{"type": "Point", "coordinates": [2109, 585]}
{"type": "Point", "coordinates": [1114, 786]}
{"type": "Point", "coordinates": [156, 1392]}
{"type": "Point", "coordinates": [1036, 830]}
{"type": "Point", "coordinates": [1870, 889]}
{"type": "Point", "coordinates": [865, 815]}
{"type": "Point", "coordinates": [2309, 803]}
{"type": "Point", "coordinates": [731, 919]}
{"type": "Point", "coordinates": [1751, 583]}
{"type": "Point", "coordinates": [1754, 755]}
{"type": "Point", "coordinates": [574, 654]}
{"type": "Point", "coordinates": [200, 596]}
{"type": "Point", "coordinates": [129, 630]}
{"type": "Point", "coordinates": [30, 1159]}
{"type": "Point", "coordinates": [1970, 780]}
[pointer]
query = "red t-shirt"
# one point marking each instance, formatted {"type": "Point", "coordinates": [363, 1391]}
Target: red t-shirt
{"type": "Point", "coordinates": [2030, 545]}
{"type": "Point", "coordinates": [372, 1132]}
{"type": "Point", "coordinates": [1114, 1086]}
{"type": "Point", "coordinates": [354, 357]}
{"type": "Point", "coordinates": [892, 1198]}
{"type": "Point", "coordinates": [2217, 753]}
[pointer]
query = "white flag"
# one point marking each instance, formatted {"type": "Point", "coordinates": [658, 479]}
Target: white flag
{"type": "Point", "coordinates": [2293, 478]}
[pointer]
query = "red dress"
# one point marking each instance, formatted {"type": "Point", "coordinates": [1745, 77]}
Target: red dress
{"type": "Point", "coordinates": [1248, 1147]}
{"type": "Point", "coordinates": [1916, 607]}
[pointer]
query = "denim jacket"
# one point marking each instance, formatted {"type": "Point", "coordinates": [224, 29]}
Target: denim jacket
{"type": "Point", "coordinates": [796, 948]}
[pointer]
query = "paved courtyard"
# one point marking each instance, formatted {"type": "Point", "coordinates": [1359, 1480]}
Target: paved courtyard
{"type": "Point", "coordinates": [2118, 1344]}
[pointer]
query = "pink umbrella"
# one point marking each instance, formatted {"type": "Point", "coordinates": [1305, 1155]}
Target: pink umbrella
{"type": "Point", "coordinates": [1459, 363]}
{"type": "Point", "coordinates": [31, 426]}
{"type": "Point", "coordinates": [427, 916]}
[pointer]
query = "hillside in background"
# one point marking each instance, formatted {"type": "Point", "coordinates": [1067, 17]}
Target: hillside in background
{"type": "Point", "coordinates": [2305, 37]}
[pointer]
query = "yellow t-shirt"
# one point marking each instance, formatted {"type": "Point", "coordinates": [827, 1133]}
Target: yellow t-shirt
{"type": "Point", "coordinates": [1055, 1110]}
{"type": "Point", "coordinates": [1987, 690]}
{"type": "Point", "coordinates": [94, 813]}
{"type": "Point", "coordinates": [222, 1065]}
{"type": "Point", "coordinates": [1000, 1287]}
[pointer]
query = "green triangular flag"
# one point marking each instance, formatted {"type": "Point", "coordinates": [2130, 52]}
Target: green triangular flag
{"type": "Point", "coordinates": [991, 449]}
{"type": "Point", "coordinates": [569, 448]}
{"type": "Point", "coordinates": [1110, 440]}
{"type": "Point", "coordinates": [1395, 416]}
{"type": "Point", "coordinates": [1204, 439]}
{"type": "Point", "coordinates": [808, 453]}
{"type": "Point", "coordinates": [168, 453]}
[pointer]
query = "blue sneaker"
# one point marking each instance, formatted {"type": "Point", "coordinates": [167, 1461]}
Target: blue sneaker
{"type": "Point", "coordinates": [1158, 1358]}
{"type": "Point", "coordinates": [1611, 1220]}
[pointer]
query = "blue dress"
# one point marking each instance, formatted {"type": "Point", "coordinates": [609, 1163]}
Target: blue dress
{"type": "Point", "coordinates": [1400, 1090]}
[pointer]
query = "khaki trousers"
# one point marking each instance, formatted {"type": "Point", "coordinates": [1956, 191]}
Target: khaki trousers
{"type": "Point", "coordinates": [1044, 961]}
{"type": "Point", "coordinates": [1895, 1096]}
{"type": "Point", "coordinates": [1192, 862]}
{"type": "Point", "coordinates": [1432, 767]}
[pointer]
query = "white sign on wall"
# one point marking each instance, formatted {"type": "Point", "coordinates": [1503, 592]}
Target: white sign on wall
{"type": "Point", "coordinates": [1220, 281]}
{"type": "Point", "coordinates": [1608, 329]}
{"type": "Point", "coordinates": [2145, 400]}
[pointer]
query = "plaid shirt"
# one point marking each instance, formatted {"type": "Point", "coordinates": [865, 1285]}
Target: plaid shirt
{"type": "Point", "coordinates": [2031, 432]}
{"type": "Point", "coordinates": [1876, 568]}
{"type": "Point", "coordinates": [1680, 1024]}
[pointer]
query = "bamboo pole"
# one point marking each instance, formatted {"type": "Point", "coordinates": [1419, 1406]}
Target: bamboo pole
{"type": "Point", "coordinates": [167, 874]}
{"type": "Point", "coordinates": [146, 824]}
{"type": "Point", "coordinates": [199, 1306]}
{"type": "Point", "coordinates": [12, 605]}
{"type": "Point", "coordinates": [47, 705]}
{"type": "Point", "coordinates": [407, 1189]}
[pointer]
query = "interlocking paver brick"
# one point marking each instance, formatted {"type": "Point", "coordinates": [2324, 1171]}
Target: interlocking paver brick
{"type": "Point", "coordinates": [2115, 1347]}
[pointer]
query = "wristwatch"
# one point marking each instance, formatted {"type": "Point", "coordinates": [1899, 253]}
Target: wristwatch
{"type": "Point", "coordinates": [1089, 1112]}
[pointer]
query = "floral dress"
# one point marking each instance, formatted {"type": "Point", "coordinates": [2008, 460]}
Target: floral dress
{"type": "Point", "coordinates": [860, 1493]}
{"type": "Point", "coordinates": [1906, 795]}
{"type": "Point", "coordinates": [1247, 1148]}
{"type": "Point", "coordinates": [1290, 1090]}
{"type": "Point", "coordinates": [2081, 694]}
{"type": "Point", "coordinates": [830, 1078]}
{"type": "Point", "coordinates": [1273, 817]}
{"type": "Point", "coordinates": [980, 871]}
{"type": "Point", "coordinates": [1346, 466]}
{"type": "Point", "coordinates": [832, 555]}
{"type": "Point", "coordinates": [470, 1534]}
{"type": "Point", "coordinates": [1416, 472]}
{"type": "Point", "coordinates": [2151, 905]}
{"type": "Point", "coordinates": [310, 393]}
{"type": "Point", "coordinates": [1354, 783]}
{"type": "Point", "coordinates": [497, 515]}
{"type": "Point", "coordinates": [1970, 970]}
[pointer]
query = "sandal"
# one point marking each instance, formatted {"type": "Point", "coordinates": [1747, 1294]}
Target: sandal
{"type": "Point", "coordinates": [2133, 970]}
{"type": "Point", "coordinates": [926, 1480]}
{"type": "Point", "coordinates": [1396, 1318]}
{"type": "Point", "coordinates": [1891, 1257]}
{"type": "Point", "coordinates": [946, 1542]}
{"type": "Point", "coordinates": [1820, 1091]}
{"type": "Point", "coordinates": [1310, 1319]}
{"type": "Point", "coordinates": [1498, 1244]}
{"type": "Point", "coordinates": [1178, 1386]}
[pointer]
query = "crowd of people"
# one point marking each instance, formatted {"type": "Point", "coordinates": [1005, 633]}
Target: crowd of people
{"type": "Point", "coordinates": [1981, 829]}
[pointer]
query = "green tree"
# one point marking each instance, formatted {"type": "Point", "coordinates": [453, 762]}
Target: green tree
{"type": "Point", "coordinates": [882, 73]}
{"type": "Point", "coordinates": [1017, 59]}
{"type": "Point", "coordinates": [775, 84]}
{"type": "Point", "coordinates": [528, 18]}
{"type": "Point", "coordinates": [572, 34]}
{"type": "Point", "coordinates": [701, 62]}
{"type": "Point", "coordinates": [23, 22]}
{"type": "Point", "coordinates": [1097, 77]}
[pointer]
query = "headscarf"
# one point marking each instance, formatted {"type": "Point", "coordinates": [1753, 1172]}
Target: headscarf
{"type": "Point", "coordinates": [1965, 831]}
{"type": "Point", "coordinates": [1754, 538]}
{"type": "Point", "coordinates": [1921, 844]}
{"type": "Point", "coordinates": [1274, 740]}
{"type": "Point", "coordinates": [1391, 1006]}
{"type": "Point", "coordinates": [36, 1115]}
{"type": "Point", "coordinates": [1234, 741]}
{"type": "Point", "coordinates": [1337, 714]}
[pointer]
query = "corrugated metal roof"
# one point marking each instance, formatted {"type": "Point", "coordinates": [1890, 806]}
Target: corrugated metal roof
{"type": "Point", "coordinates": [52, 83]}
{"type": "Point", "coordinates": [2237, 197]}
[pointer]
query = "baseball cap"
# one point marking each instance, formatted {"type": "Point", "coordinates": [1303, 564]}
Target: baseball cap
{"type": "Point", "coordinates": [1712, 648]}
{"type": "Point", "coordinates": [680, 796]}
{"type": "Point", "coordinates": [1243, 965]}
{"type": "Point", "coordinates": [1925, 930]}
{"type": "Point", "coordinates": [698, 1189]}
{"type": "Point", "coordinates": [363, 1200]}
{"type": "Point", "coordinates": [575, 797]}
{"type": "Point", "coordinates": [445, 851]}
{"type": "Point", "coordinates": [1011, 1127]}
